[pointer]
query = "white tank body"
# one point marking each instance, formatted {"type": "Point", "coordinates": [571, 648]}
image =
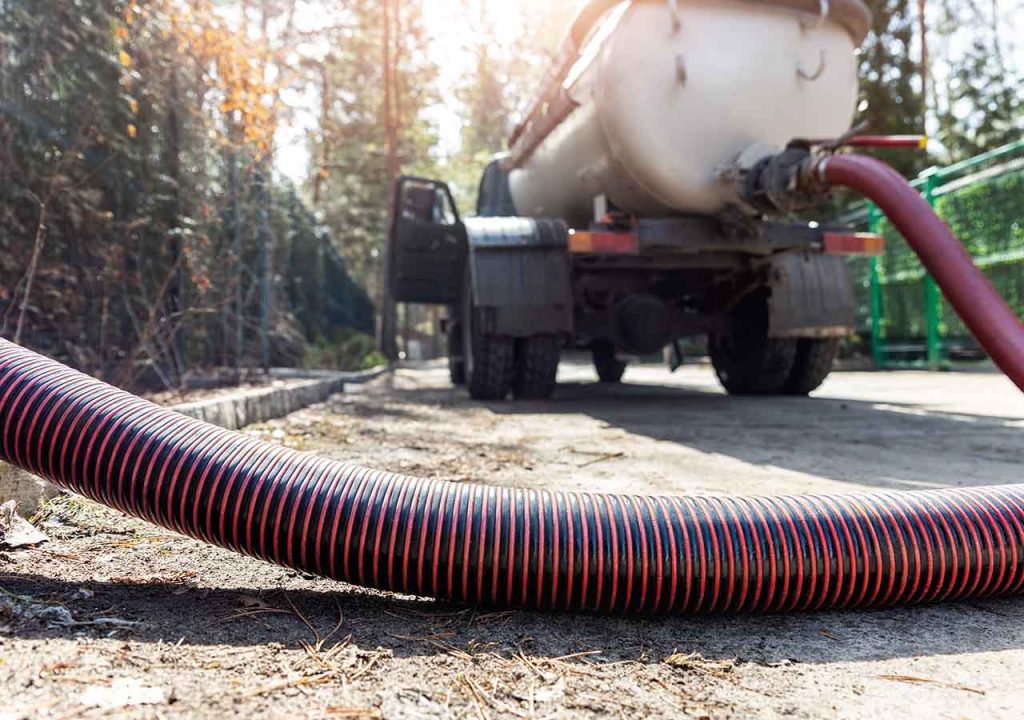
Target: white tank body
{"type": "Point", "coordinates": [663, 108]}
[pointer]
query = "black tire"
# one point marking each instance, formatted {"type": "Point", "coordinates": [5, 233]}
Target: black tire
{"type": "Point", "coordinates": [456, 359]}
{"type": "Point", "coordinates": [489, 360]}
{"type": "Point", "coordinates": [536, 369]}
{"type": "Point", "coordinates": [745, 359]}
{"type": "Point", "coordinates": [814, 360]}
{"type": "Point", "coordinates": [609, 368]}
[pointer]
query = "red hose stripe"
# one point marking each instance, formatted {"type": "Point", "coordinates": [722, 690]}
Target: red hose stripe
{"type": "Point", "coordinates": [587, 553]}
{"type": "Point", "coordinates": [659, 559]}
{"type": "Point", "coordinates": [761, 549]}
{"type": "Point", "coordinates": [695, 555]}
{"type": "Point", "coordinates": [378, 537]}
{"type": "Point", "coordinates": [872, 568]}
{"type": "Point", "coordinates": [315, 490]}
{"type": "Point", "coordinates": [851, 518]}
{"type": "Point", "coordinates": [556, 546]}
{"type": "Point", "coordinates": [1008, 560]}
{"type": "Point", "coordinates": [1014, 512]}
{"type": "Point", "coordinates": [571, 503]}
{"type": "Point", "coordinates": [673, 558]}
{"type": "Point", "coordinates": [524, 558]}
{"type": "Point", "coordinates": [428, 514]}
{"type": "Point", "coordinates": [537, 570]}
{"type": "Point", "coordinates": [631, 551]}
{"type": "Point", "coordinates": [797, 550]}
{"type": "Point", "coordinates": [976, 548]}
{"type": "Point", "coordinates": [949, 546]}
{"type": "Point", "coordinates": [739, 557]}
{"type": "Point", "coordinates": [481, 563]}
{"type": "Point", "coordinates": [597, 515]}
{"type": "Point", "coordinates": [499, 526]}
{"type": "Point", "coordinates": [990, 548]}
{"type": "Point", "coordinates": [803, 549]}
{"type": "Point", "coordinates": [924, 551]}
{"type": "Point", "coordinates": [272, 496]}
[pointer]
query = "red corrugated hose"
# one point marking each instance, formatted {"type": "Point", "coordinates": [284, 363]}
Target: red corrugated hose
{"type": "Point", "coordinates": [994, 323]}
{"type": "Point", "coordinates": [500, 546]}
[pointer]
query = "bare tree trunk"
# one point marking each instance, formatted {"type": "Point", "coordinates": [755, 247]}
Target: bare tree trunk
{"type": "Point", "coordinates": [264, 230]}
{"type": "Point", "coordinates": [389, 319]}
{"type": "Point", "coordinates": [264, 233]}
{"type": "Point", "coordinates": [33, 266]}
{"type": "Point", "coordinates": [325, 110]}
{"type": "Point", "coordinates": [175, 297]}
{"type": "Point", "coordinates": [922, 21]}
{"type": "Point", "coordinates": [238, 232]}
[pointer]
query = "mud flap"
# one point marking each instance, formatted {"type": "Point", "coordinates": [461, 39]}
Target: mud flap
{"type": "Point", "coordinates": [812, 296]}
{"type": "Point", "coordinates": [520, 275]}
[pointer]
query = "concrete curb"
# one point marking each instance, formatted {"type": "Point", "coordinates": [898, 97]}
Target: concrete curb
{"type": "Point", "coordinates": [234, 411]}
{"type": "Point", "coordinates": [237, 410]}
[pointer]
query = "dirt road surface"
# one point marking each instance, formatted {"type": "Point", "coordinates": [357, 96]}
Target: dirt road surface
{"type": "Point", "coordinates": [185, 630]}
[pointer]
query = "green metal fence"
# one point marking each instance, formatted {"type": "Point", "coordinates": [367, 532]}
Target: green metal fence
{"type": "Point", "coordinates": [902, 311]}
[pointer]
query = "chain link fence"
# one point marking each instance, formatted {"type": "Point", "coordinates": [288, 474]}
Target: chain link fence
{"type": "Point", "coordinates": [901, 312]}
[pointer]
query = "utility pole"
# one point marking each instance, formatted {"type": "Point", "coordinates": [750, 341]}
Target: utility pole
{"type": "Point", "coordinates": [264, 267]}
{"type": "Point", "coordinates": [175, 300]}
{"type": "Point", "coordinates": [923, 30]}
{"type": "Point", "coordinates": [389, 314]}
{"type": "Point", "coordinates": [265, 198]}
{"type": "Point", "coordinates": [325, 118]}
{"type": "Point", "coordinates": [238, 232]}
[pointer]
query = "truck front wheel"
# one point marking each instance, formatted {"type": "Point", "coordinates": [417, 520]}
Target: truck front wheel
{"type": "Point", "coordinates": [536, 369]}
{"type": "Point", "coordinates": [814, 360]}
{"type": "Point", "coordinates": [489, 360]}
{"type": "Point", "coordinates": [609, 368]}
{"type": "Point", "coordinates": [456, 356]}
{"type": "Point", "coordinates": [746, 360]}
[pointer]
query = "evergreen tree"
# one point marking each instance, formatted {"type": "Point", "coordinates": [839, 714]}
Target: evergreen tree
{"type": "Point", "coordinates": [891, 88]}
{"type": "Point", "coordinates": [981, 107]}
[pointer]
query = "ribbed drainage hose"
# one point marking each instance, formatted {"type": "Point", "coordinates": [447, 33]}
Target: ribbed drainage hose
{"type": "Point", "coordinates": [504, 546]}
{"type": "Point", "coordinates": [992, 321]}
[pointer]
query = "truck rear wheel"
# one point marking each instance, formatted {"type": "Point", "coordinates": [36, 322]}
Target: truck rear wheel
{"type": "Point", "coordinates": [489, 360]}
{"type": "Point", "coordinates": [746, 360]}
{"type": "Point", "coordinates": [456, 358]}
{"type": "Point", "coordinates": [609, 368]}
{"type": "Point", "coordinates": [814, 360]}
{"type": "Point", "coordinates": [536, 367]}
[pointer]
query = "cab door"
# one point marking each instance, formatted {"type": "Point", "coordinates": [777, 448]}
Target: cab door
{"type": "Point", "coordinates": [427, 244]}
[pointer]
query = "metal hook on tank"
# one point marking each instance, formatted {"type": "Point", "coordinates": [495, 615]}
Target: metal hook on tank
{"type": "Point", "coordinates": [677, 18]}
{"type": "Point", "coordinates": [823, 11]}
{"type": "Point", "coordinates": [812, 76]}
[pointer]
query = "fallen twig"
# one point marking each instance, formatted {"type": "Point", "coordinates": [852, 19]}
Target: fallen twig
{"type": "Point", "coordinates": [929, 681]}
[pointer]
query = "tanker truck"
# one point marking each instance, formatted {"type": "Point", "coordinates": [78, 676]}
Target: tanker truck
{"type": "Point", "coordinates": [624, 215]}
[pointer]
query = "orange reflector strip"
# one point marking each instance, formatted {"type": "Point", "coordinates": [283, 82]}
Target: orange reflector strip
{"type": "Point", "coordinates": [604, 243]}
{"type": "Point", "coordinates": [854, 244]}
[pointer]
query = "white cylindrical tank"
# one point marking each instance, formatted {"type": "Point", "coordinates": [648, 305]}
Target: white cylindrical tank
{"type": "Point", "coordinates": [674, 94]}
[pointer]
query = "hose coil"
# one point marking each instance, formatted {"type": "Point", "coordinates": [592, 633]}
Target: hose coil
{"type": "Point", "coordinates": [501, 546]}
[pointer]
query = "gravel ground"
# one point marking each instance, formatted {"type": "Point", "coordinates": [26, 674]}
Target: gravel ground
{"type": "Point", "coordinates": [114, 611]}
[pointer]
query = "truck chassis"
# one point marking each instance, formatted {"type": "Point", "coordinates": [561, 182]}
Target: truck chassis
{"type": "Point", "coordinates": [773, 298]}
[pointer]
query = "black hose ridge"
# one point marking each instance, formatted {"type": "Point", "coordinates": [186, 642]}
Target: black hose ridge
{"type": "Point", "coordinates": [501, 546]}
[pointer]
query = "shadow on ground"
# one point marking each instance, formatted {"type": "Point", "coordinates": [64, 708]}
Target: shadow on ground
{"type": "Point", "coordinates": [245, 616]}
{"type": "Point", "coordinates": [893, 446]}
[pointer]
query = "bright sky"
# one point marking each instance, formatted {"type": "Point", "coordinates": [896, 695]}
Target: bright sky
{"type": "Point", "coordinates": [453, 24]}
